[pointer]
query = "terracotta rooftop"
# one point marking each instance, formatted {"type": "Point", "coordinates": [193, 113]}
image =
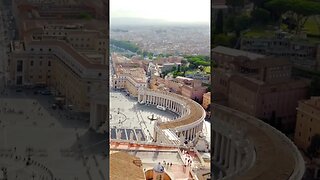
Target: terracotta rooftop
{"type": "Point", "coordinates": [71, 51]}
{"type": "Point", "coordinates": [196, 113]}
{"type": "Point", "coordinates": [236, 52]}
{"type": "Point", "coordinates": [122, 166]}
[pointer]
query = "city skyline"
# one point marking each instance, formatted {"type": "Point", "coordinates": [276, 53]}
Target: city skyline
{"type": "Point", "coordinates": [187, 11]}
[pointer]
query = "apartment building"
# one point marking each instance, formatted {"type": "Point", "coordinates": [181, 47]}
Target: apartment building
{"type": "Point", "coordinates": [206, 100]}
{"type": "Point", "coordinates": [258, 85]}
{"type": "Point", "coordinates": [308, 122]}
{"type": "Point", "coordinates": [68, 57]}
{"type": "Point", "coordinates": [128, 75]}
{"type": "Point", "coordinates": [302, 52]}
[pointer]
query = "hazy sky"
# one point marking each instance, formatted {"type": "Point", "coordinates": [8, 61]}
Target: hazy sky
{"type": "Point", "coordinates": [168, 10]}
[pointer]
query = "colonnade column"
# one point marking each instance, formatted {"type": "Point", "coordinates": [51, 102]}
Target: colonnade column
{"type": "Point", "coordinates": [232, 157]}
{"type": "Point", "coordinates": [239, 158]}
{"type": "Point", "coordinates": [216, 144]}
{"type": "Point", "coordinates": [222, 149]}
{"type": "Point", "coordinates": [227, 154]}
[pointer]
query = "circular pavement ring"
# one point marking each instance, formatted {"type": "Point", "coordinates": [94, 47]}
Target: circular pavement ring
{"type": "Point", "coordinates": [115, 112]}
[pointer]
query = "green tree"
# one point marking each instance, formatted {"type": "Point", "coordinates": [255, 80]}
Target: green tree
{"type": "Point", "coordinates": [125, 45]}
{"type": "Point", "coordinates": [218, 28]}
{"type": "Point", "coordinates": [314, 88]}
{"type": "Point", "coordinates": [184, 61]}
{"type": "Point", "coordinates": [277, 8]}
{"type": "Point", "coordinates": [258, 3]}
{"type": "Point", "coordinates": [241, 23]}
{"type": "Point", "coordinates": [260, 16]}
{"type": "Point", "coordinates": [224, 40]}
{"type": "Point", "coordinates": [298, 10]}
{"type": "Point", "coordinates": [85, 15]}
{"type": "Point", "coordinates": [234, 4]}
{"type": "Point", "coordinates": [301, 10]}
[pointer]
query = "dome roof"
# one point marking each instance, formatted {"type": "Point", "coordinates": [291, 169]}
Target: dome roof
{"type": "Point", "coordinates": [158, 168]}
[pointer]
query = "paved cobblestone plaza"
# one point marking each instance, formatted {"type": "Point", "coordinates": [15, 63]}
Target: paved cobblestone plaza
{"type": "Point", "coordinates": [38, 142]}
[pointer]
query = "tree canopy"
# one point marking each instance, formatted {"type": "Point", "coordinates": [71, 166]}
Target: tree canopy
{"type": "Point", "coordinates": [125, 45]}
{"type": "Point", "coordinates": [297, 10]}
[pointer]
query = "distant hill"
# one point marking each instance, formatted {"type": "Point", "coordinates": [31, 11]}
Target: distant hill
{"type": "Point", "coordinates": [125, 21]}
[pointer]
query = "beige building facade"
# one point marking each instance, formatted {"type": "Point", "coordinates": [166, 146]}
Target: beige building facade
{"type": "Point", "coordinates": [308, 122]}
{"type": "Point", "coordinates": [206, 100]}
{"type": "Point", "coordinates": [61, 50]}
{"type": "Point", "coordinates": [259, 86]}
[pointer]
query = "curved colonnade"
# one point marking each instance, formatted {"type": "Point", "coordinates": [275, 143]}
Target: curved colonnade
{"type": "Point", "coordinates": [191, 114]}
{"type": "Point", "coordinates": [247, 148]}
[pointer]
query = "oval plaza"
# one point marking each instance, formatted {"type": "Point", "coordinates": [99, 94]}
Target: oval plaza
{"type": "Point", "coordinates": [181, 118]}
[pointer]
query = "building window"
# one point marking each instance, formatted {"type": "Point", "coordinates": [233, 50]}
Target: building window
{"type": "Point", "coordinates": [40, 49]}
{"type": "Point", "coordinates": [299, 133]}
{"type": "Point", "coordinates": [40, 77]}
{"type": "Point", "coordinates": [19, 80]}
{"type": "Point", "coordinates": [40, 63]}
{"type": "Point", "coordinates": [31, 63]}
{"type": "Point", "coordinates": [310, 129]}
{"type": "Point", "coordinates": [99, 74]}
{"type": "Point", "coordinates": [31, 77]}
{"type": "Point", "coordinates": [49, 49]}
{"type": "Point", "coordinates": [19, 66]}
{"type": "Point", "coordinates": [309, 138]}
{"type": "Point", "coordinates": [49, 63]}
{"type": "Point", "coordinates": [49, 77]}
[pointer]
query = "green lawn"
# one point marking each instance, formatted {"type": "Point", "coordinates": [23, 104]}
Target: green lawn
{"type": "Point", "coordinates": [207, 69]}
{"type": "Point", "coordinates": [311, 26]}
{"type": "Point", "coordinates": [259, 31]}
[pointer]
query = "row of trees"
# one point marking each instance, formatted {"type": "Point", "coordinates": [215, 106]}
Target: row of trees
{"type": "Point", "coordinates": [125, 45]}
{"type": "Point", "coordinates": [297, 12]}
{"type": "Point", "coordinates": [190, 63]}
{"type": "Point", "coordinates": [292, 13]}
{"type": "Point", "coordinates": [196, 61]}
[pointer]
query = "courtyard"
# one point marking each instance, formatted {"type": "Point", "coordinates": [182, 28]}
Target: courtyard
{"type": "Point", "coordinates": [39, 142]}
{"type": "Point", "coordinates": [126, 116]}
